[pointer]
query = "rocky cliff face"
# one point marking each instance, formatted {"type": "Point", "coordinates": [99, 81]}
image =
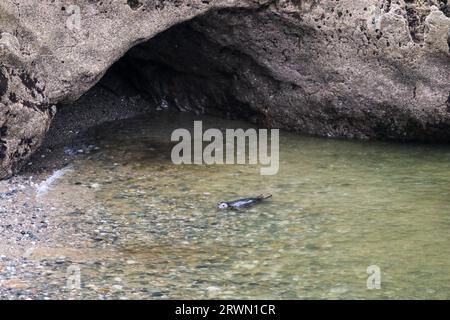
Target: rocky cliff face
{"type": "Point", "coordinates": [359, 69]}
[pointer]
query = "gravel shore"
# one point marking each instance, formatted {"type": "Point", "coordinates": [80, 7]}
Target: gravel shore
{"type": "Point", "coordinates": [38, 241]}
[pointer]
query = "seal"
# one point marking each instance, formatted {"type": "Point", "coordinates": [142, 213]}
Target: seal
{"type": "Point", "coordinates": [242, 203]}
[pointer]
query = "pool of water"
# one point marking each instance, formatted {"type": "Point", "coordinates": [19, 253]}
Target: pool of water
{"type": "Point", "coordinates": [338, 207]}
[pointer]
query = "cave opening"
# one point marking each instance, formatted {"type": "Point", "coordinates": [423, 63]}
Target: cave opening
{"type": "Point", "coordinates": [183, 69]}
{"type": "Point", "coordinates": [270, 69]}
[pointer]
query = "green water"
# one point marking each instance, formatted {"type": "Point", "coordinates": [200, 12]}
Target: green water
{"type": "Point", "coordinates": [337, 208]}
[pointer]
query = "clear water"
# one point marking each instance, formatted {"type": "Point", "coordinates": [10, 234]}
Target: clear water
{"type": "Point", "coordinates": [337, 208]}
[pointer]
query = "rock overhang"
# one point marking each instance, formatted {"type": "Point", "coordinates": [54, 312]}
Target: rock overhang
{"type": "Point", "coordinates": [371, 69]}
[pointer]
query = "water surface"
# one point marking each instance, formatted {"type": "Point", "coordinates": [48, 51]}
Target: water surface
{"type": "Point", "coordinates": [337, 208]}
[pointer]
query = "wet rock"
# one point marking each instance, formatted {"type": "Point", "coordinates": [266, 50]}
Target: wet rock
{"type": "Point", "coordinates": [61, 260]}
{"type": "Point", "coordinates": [347, 70]}
{"type": "Point", "coordinates": [358, 69]}
{"type": "Point", "coordinates": [48, 55]}
{"type": "Point", "coordinates": [157, 294]}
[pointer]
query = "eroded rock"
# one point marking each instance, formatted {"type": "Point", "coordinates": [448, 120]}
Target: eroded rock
{"type": "Point", "coordinates": [54, 51]}
{"type": "Point", "coordinates": [359, 69]}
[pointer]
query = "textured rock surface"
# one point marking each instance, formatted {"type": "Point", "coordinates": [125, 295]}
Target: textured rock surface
{"type": "Point", "coordinates": [361, 69]}
{"type": "Point", "coordinates": [49, 54]}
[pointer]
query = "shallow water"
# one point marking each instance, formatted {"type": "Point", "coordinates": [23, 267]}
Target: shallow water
{"type": "Point", "coordinates": [337, 208]}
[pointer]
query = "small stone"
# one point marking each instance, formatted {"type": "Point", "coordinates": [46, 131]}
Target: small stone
{"type": "Point", "coordinates": [157, 294]}
{"type": "Point", "coordinates": [60, 260]}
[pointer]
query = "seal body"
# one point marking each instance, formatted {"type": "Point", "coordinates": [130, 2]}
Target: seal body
{"type": "Point", "coordinates": [242, 203]}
